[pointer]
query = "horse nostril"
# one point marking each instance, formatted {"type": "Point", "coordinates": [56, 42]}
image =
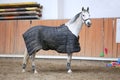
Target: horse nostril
{"type": "Point", "coordinates": [89, 24]}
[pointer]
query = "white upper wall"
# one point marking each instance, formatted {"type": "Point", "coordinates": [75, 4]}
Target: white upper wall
{"type": "Point", "coordinates": [65, 9]}
{"type": "Point", "coordinates": [98, 8]}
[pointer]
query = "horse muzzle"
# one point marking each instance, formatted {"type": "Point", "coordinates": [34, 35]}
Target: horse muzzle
{"type": "Point", "coordinates": [88, 23]}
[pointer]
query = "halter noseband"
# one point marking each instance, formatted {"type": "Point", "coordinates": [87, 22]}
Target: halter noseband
{"type": "Point", "coordinates": [84, 20]}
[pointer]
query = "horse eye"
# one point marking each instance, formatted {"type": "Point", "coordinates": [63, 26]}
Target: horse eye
{"type": "Point", "coordinates": [83, 15]}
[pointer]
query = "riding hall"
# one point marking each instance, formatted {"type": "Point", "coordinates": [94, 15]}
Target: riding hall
{"type": "Point", "coordinates": [98, 47]}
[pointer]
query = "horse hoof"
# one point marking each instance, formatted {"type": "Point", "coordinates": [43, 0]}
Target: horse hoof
{"type": "Point", "coordinates": [35, 72]}
{"type": "Point", "coordinates": [23, 70]}
{"type": "Point", "coordinates": [69, 71]}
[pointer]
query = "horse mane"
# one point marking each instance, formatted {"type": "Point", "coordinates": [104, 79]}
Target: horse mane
{"type": "Point", "coordinates": [75, 18]}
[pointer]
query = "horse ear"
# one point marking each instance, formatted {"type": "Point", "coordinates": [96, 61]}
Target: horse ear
{"type": "Point", "coordinates": [82, 8]}
{"type": "Point", "coordinates": [88, 9]}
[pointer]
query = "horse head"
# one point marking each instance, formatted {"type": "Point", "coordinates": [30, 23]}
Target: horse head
{"type": "Point", "coordinates": [86, 16]}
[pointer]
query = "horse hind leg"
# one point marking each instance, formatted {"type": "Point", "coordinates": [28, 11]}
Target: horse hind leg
{"type": "Point", "coordinates": [33, 63]}
{"type": "Point", "coordinates": [69, 63]}
{"type": "Point", "coordinates": [25, 60]}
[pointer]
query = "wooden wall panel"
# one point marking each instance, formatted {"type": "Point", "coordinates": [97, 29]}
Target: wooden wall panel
{"type": "Point", "coordinates": [98, 37]}
{"type": "Point", "coordinates": [21, 27]}
{"type": "Point", "coordinates": [118, 50]}
{"type": "Point", "coordinates": [93, 40]}
{"type": "Point", "coordinates": [82, 39]}
{"type": "Point", "coordinates": [108, 35]}
{"type": "Point", "coordinates": [48, 22]}
{"type": "Point", "coordinates": [88, 41]}
{"type": "Point", "coordinates": [9, 37]}
{"type": "Point", "coordinates": [114, 45]}
{"type": "Point", "coordinates": [2, 37]}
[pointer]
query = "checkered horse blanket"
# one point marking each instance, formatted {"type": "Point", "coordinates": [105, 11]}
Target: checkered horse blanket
{"type": "Point", "coordinates": [58, 38]}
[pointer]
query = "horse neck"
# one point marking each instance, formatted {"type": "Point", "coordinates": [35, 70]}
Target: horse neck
{"type": "Point", "coordinates": [76, 26]}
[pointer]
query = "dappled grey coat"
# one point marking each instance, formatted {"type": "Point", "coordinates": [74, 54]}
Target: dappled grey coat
{"type": "Point", "coordinates": [59, 38]}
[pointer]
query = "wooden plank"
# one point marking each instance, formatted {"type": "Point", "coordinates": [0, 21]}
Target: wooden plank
{"type": "Point", "coordinates": [22, 4]}
{"type": "Point", "coordinates": [108, 35]}
{"type": "Point", "coordinates": [118, 50]}
{"type": "Point", "coordinates": [18, 13]}
{"type": "Point", "coordinates": [94, 39]}
{"type": "Point", "coordinates": [99, 37]}
{"type": "Point", "coordinates": [22, 26]}
{"type": "Point", "coordinates": [82, 41]}
{"type": "Point", "coordinates": [88, 42]}
{"type": "Point", "coordinates": [9, 37]}
{"type": "Point", "coordinates": [114, 53]}
{"type": "Point", "coordinates": [52, 22]}
{"type": "Point", "coordinates": [2, 36]}
{"type": "Point", "coordinates": [19, 17]}
{"type": "Point", "coordinates": [21, 9]}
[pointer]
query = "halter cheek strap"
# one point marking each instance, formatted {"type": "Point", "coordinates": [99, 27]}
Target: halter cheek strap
{"type": "Point", "coordinates": [85, 20]}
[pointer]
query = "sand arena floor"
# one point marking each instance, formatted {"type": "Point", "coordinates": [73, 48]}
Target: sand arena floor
{"type": "Point", "coordinates": [10, 69]}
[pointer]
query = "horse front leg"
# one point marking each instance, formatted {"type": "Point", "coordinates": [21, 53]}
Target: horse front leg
{"type": "Point", "coordinates": [69, 63]}
{"type": "Point", "coordinates": [25, 60]}
{"type": "Point", "coordinates": [33, 63]}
